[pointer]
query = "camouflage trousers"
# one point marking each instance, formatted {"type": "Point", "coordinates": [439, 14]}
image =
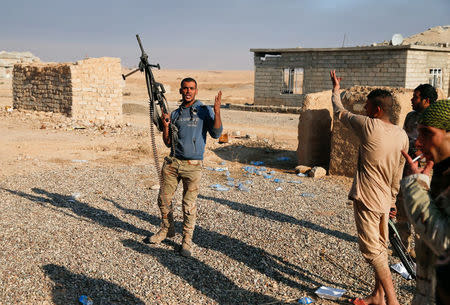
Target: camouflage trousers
{"type": "Point", "coordinates": [190, 173]}
{"type": "Point", "coordinates": [426, 275]}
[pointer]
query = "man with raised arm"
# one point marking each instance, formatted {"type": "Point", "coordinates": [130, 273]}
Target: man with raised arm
{"type": "Point", "coordinates": [375, 184]}
{"type": "Point", "coordinates": [185, 132]}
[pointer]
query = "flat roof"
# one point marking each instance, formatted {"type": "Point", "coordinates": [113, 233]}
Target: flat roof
{"type": "Point", "coordinates": [365, 48]}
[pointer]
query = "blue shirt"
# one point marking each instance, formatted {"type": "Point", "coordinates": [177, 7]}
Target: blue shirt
{"type": "Point", "coordinates": [193, 123]}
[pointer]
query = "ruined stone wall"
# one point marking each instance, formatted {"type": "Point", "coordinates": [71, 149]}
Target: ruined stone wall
{"type": "Point", "coordinates": [42, 87]}
{"type": "Point", "coordinates": [378, 67]}
{"type": "Point", "coordinates": [419, 64]}
{"type": "Point", "coordinates": [88, 90]}
{"type": "Point", "coordinates": [344, 143]}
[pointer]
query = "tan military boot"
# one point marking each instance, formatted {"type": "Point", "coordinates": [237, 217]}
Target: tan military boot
{"type": "Point", "coordinates": [167, 230]}
{"type": "Point", "coordinates": [186, 246]}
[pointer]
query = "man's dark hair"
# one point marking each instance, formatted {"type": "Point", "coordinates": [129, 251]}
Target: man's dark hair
{"type": "Point", "coordinates": [427, 91]}
{"type": "Point", "coordinates": [188, 79]}
{"type": "Point", "coordinates": [381, 98]}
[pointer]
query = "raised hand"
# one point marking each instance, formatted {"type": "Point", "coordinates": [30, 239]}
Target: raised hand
{"type": "Point", "coordinates": [335, 80]}
{"type": "Point", "coordinates": [217, 102]}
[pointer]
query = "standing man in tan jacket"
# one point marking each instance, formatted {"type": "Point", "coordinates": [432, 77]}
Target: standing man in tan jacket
{"type": "Point", "coordinates": [376, 182]}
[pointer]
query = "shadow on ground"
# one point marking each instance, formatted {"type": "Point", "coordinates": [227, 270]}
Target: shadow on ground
{"type": "Point", "coordinates": [277, 216]}
{"type": "Point", "coordinates": [70, 286]}
{"type": "Point", "coordinates": [274, 158]}
{"type": "Point", "coordinates": [258, 259]}
{"type": "Point", "coordinates": [255, 258]}
{"type": "Point", "coordinates": [202, 277]}
{"type": "Point", "coordinates": [64, 204]}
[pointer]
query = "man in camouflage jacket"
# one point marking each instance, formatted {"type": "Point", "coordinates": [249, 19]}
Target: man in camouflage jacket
{"type": "Point", "coordinates": [428, 205]}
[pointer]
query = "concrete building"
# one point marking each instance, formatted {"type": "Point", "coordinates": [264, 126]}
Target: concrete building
{"type": "Point", "coordinates": [284, 76]}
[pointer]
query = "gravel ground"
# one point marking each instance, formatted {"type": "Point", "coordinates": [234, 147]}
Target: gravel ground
{"type": "Point", "coordinates": [77, 229]}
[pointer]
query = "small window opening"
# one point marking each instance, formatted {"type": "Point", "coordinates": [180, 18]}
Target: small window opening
{"type": "Point", "coordinates": [292, 81]}
{"type": "Point", "coordinates": [435, 77]}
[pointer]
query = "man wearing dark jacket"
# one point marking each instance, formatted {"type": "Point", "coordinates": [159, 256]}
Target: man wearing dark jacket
{"type": "Point", "coordinates": [428, 205]}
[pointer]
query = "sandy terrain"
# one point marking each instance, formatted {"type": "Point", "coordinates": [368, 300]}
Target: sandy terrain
{"type": "Point", "coordinates": [237, 86]}
{"type": "Point", "coordinates": [30, 138]}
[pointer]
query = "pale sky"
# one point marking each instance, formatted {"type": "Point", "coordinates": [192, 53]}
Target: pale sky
{"type": "Point", "coordinates": [205, 34]}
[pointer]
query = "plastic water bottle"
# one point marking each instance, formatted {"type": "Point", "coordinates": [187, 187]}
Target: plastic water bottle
{"type": "Point", "coordinates": [307, 195]}
{"type": "Point", "coordinates": [85, 300]}
{"type": "Point", "coordinates": [242, 188]}
{"type": "Point", "coordinates": [305, 300]}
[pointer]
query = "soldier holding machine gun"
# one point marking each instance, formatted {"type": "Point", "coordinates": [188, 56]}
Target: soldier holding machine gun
{"type": "Point", "coordinates": [185, 132]}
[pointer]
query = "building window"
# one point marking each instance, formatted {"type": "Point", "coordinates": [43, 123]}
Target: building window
{"type": "Point", "coordinates": [292, 81]}
{"type": "Point", "coordinates": [435, 78]}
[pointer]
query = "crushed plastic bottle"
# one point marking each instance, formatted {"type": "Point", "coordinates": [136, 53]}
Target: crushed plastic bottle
{"type": "Point", "coordinates": [262, 169]}
{"type": "Point", "coordinates": [257, 163]}
{"type": "Point", "coordinates": [267, 176]}
{"type": "Point", "coordinates": [85, 300]}
{"type": "Point", "coordinates": [221, 169]}
{"type": "Point", "coordinates": [227, 173]}
{"type": "Point", "coordinates": [209, 168]}
{"type": "Point", "coordinates": [295, 181]}
{"type": "Point", "coordinates": [242, 188]}
{"type": "Point", "coordinates": [279, 188]}
{"type": "Point", "coordinates": [248, 182]}
{"type": "Point", "coordinates": [258, 173]}
{"type": "Point", "coordinates": [302, 175]}
{"type": "Point", "coordinates": [76, 195]}
{"type": "Point", "coordinates": [307, 195]}
{"type": "Point", "coordinates": [230, 183]}
{"type": "Point", "coordinates": [222, 163]}
{"type": "Point", "coordinates": [305, 300]}
{"type": "Point", "coordinates": [230, 179]}
{"type": "Point", "coordinates": [219, 187]}
{"type": "Point", "coordinates": [278, 180]}
{"type": "Point", "coordinates": [249, 169]}
{"type": "Point", "coordinates": [283, 159]}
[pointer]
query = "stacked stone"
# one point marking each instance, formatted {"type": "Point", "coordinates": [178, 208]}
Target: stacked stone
{"type": "Point", "coordinates": [42, 87]}
{"type": "Point", "coordinates": [97, 90]}
{"type": "Point", "coordinates": [89, 90]}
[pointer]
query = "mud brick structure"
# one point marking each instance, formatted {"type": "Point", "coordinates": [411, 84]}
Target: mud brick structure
{"type": "Point", "coordinates": [314, 130]}
{"type": "Point", "coordinates": [284, 76]}
{"type": "Point", "coordinates": [88, 90]}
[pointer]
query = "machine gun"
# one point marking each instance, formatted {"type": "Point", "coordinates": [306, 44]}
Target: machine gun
{"type": "Point", "coordinates": [155, 90]}
{"type": "Point", "coordinates": [400, 249]}
{"type": "Point", "coordinates": [157, 102]}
